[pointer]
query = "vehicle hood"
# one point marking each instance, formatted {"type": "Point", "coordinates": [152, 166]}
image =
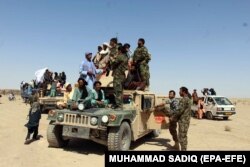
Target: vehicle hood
{"type": "Point", "coordinates": [97, 111]}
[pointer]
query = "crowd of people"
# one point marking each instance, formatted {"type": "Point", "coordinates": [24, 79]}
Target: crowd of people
{"type": "Point", "coordinates": [118, 58]}
{"type": "Point", "coordinates": [46, 82]}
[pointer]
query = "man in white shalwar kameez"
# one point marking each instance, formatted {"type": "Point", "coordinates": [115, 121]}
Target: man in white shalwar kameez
{"type": "Point", "coordinates": [88, 70]}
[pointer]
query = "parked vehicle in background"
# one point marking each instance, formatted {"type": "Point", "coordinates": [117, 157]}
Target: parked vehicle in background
{"type": "Point", "coordinates": [216, 107]}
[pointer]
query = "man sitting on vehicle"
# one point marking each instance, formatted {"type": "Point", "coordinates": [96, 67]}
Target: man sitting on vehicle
{"type": "Point", "coordinates": [98, 97]}
{"type": "Point", "coordinates": [53, 89]}
{"type": "Point", "coordinates": [68, 94]}
{"type": "Point", "coordinates": [81, 93]}
{"type": "Point", "coordinates": [133, 81]}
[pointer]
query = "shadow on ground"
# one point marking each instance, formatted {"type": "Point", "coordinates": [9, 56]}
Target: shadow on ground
{"type": "Point", "coordinates": [86, 147]}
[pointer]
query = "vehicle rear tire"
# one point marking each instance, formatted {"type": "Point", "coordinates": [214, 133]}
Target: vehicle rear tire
{"type": "Point", "coordinates": [209, 115]}
{"type": "Point", "coordinates": [54, 136]}
{"type": "Point", "coordinates": [119, 138]}
{"type": "Point", "coordinates": [225, 118]}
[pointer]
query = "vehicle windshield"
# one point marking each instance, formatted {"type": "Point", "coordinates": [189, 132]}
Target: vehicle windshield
{"type": "Point", "coordinates": [127, 99]}
{"type": "Point", "coordinates": [222, 101]}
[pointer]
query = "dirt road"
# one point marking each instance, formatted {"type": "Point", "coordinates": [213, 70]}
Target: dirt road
{"type": "Point", "coordinates": [203, 135]}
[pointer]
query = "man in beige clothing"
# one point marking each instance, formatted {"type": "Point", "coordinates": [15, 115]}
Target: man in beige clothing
{"type": "Point", "coordinates": [68, 94]}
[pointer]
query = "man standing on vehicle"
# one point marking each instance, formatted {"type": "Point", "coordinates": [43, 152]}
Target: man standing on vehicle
{"type": "Point", "coordinates": [141, 59]}
{"type": "Point", "coordinates": [88, 70]}
{"type": "Point", "coordinates": [174, 104]}
{"type": "Point", "coordinates": [183, 114]}
{"type": "Point", "coordinates": [195, 97]}
{"type": "Point", "coordinates": [119, 66]}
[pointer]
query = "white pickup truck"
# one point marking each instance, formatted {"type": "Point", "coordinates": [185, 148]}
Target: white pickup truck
{"type": "Point", "coordinates": [216, 107]}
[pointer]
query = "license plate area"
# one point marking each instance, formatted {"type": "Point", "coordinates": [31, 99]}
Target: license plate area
{"type": "Point", "coordinates": [76, 132]}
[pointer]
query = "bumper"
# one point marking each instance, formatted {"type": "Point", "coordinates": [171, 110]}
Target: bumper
{"type": "Point", "coordinates": [225, 114]}
{"type": "Point", "coordinates": [76, 132]}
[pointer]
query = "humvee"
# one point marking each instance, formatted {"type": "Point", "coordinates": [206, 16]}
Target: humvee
{"type": "Point", "coordinates": [48, 103]}
{"type": "Point", "coordinates": [113, 128]}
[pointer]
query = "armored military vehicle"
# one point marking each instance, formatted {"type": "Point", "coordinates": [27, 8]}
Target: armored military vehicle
{"type": "Point", "coordinates": [113, 128]}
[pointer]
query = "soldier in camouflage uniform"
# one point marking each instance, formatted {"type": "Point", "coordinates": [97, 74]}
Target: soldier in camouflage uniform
{"type": "Point", "coordinates": [174, 104]}
{"type": "Point", "coordinates": [113, 51]}
{"type": "Point", "coordinates": [183, 114]}
{"type": "Point", "coordinates": [119, 66]}
{"type": "Point", "coordinates": [141, 59]}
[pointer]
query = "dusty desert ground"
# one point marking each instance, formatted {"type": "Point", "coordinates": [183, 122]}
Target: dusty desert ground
{"type": "Point", "coordinates": [203, 135]}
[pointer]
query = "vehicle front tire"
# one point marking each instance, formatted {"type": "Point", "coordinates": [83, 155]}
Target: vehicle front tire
{"type": "Point", "coordinates": [225, 118]}
{"type": "Point", "coordinates": [119, 138]}
{"type": "Point", "coordinates": [209, 115]}
{"type": "Point", "coordinates": [54, 136]}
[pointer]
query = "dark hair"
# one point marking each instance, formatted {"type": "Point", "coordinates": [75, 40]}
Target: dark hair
{"type": "Point", "coordinates": [126, 45]}
{"type": "Point", "coordinates": [97, 82]}
{"type": "Point", "coordinates": [122, 49]}
{"type": "Point", "coordinates": [184, 89]}
{"type": "Point", "coordinates": [142, 40]}
{"type": "Point", "coordinates": [114, 40]}
{"type": "Point", "coordinates": [172, 91]}
{"type": "Point", "coordinates": [86, 83]}
{"type": "Point", "coordinates": [119, 44]}
{"type": "Point", "coordinates": [99, 47]}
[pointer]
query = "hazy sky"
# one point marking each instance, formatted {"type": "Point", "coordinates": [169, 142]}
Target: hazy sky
{"type": "Point", "coordinates": [194, 43]}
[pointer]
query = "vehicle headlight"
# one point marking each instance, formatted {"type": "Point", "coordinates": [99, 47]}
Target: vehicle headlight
{"type": "Point", "coordinates": [81, 106]}
{"type": "Point", "coordinates": [220, 109]}
{"type": "Point", "coordinates": [105, 119]}
{"type": "Point", "coordinates": [60, 117]}
{"type": "Point", "coordinates": [51, 113]}
{"type": "Point", "coordinates": [232, 109]}
{"type": "Point", "coordinates": [93, 121]}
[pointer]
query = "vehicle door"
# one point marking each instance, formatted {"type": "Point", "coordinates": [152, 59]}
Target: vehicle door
{"type": "Point", "coordinates": [157, 119]}
{"type": "Point", "coordinates": [210, 105]}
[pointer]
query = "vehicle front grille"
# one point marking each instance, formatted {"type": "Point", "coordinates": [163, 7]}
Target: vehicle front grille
{"type": "Point", "coordinates": [76, 119]}
{"type": "Point", "coordinates": [49, 102]}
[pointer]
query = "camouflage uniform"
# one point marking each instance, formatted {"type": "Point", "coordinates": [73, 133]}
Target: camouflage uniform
{"type": "Point", "coordinates": [174, 104]}
{"type": "Point", "coordinates": [183, 115]}
{"type": "Point", "coordinates": [141, 57]}
{"type": "Point", "coordinates": [113, 53]}
{"type": "Point", "coordinates": [119, 66]}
